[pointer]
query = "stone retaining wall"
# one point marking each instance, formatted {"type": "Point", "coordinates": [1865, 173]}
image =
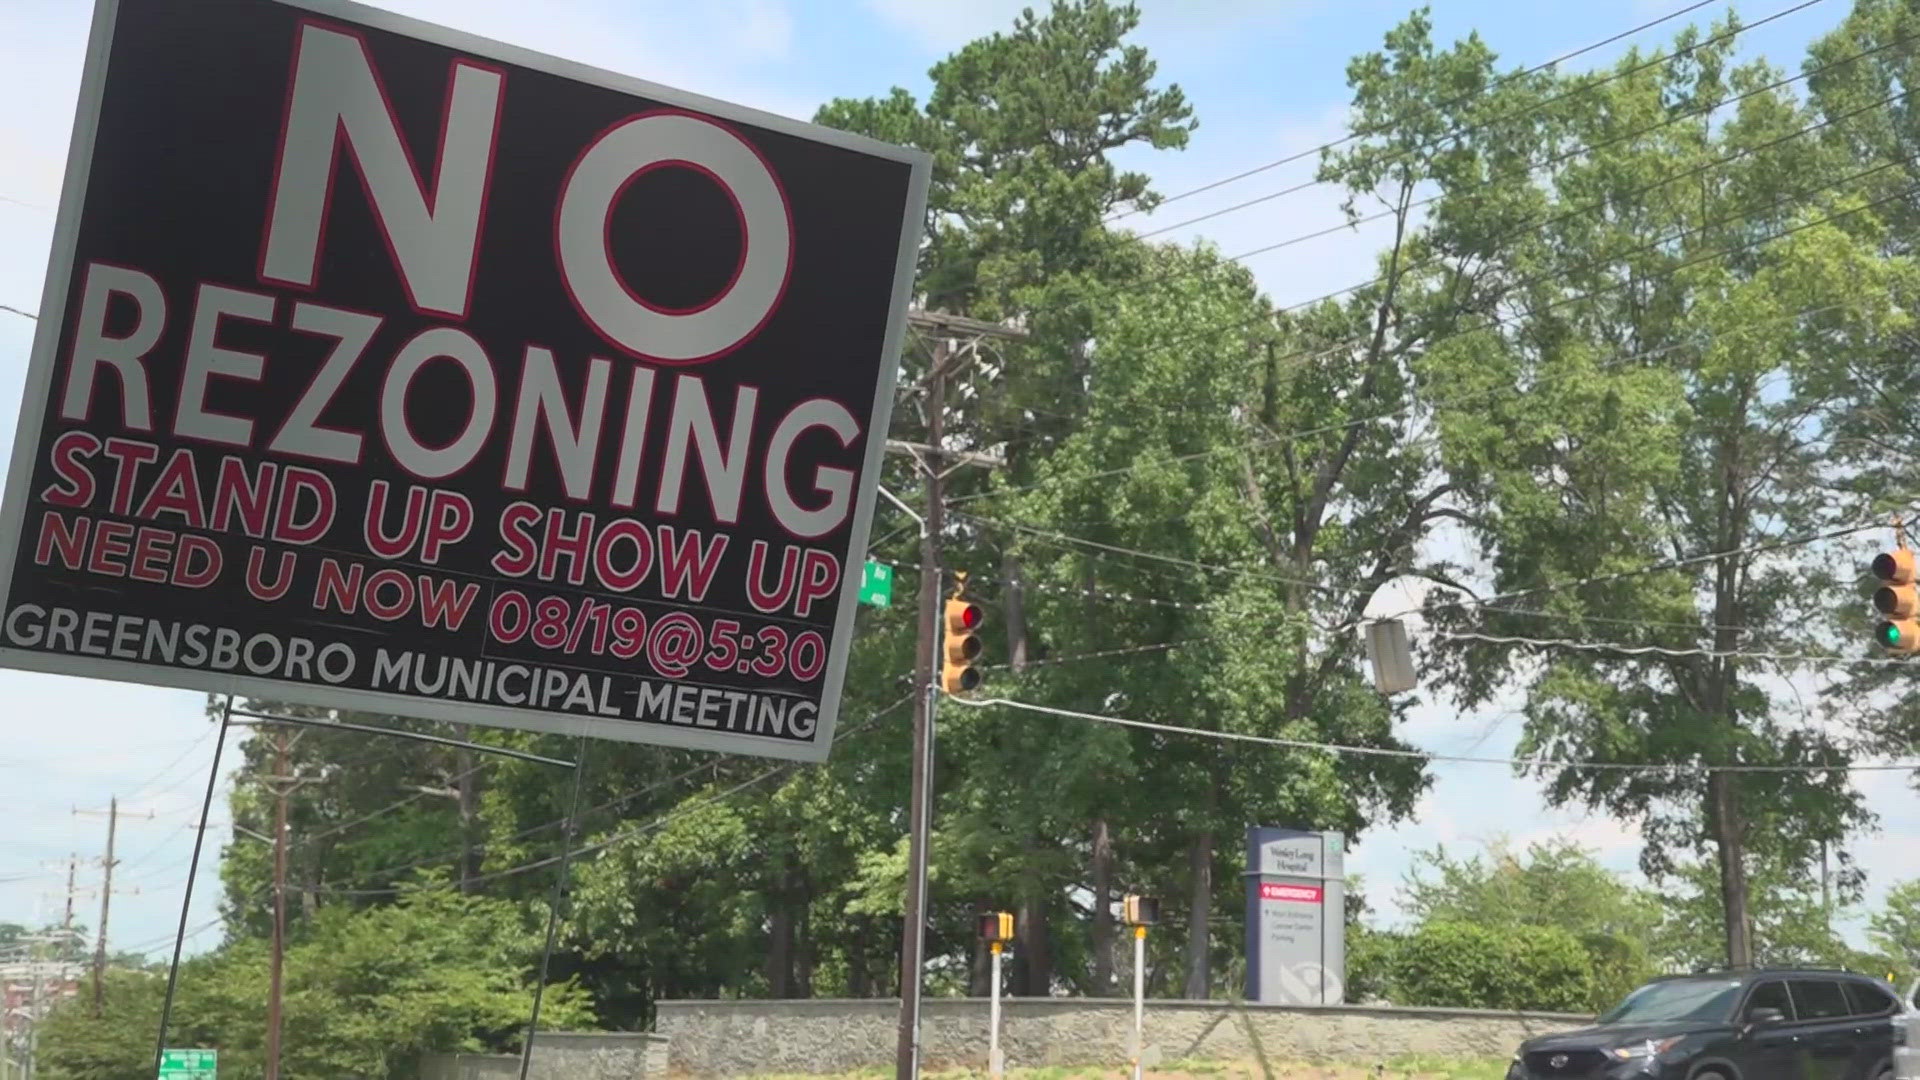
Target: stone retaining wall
{"type": "Point", "coordinates": [559, 1055]}
{"type": "Point", "coordinates": [745, 1038]}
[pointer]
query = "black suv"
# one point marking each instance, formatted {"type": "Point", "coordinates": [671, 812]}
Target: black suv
{"type": "Point", "coordinates": [1768, 1024]}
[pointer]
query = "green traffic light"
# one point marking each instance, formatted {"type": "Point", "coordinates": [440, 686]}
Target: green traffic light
{"type": "Point", "coordinates": [1889, 635]}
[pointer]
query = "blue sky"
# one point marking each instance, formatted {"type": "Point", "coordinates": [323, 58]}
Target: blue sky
{"type": "Point", "coordinates": [1267, 80]}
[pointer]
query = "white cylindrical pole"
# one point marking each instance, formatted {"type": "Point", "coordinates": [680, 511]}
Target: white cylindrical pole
{"type": "Point", "coordinates": [1139, 997]}
{"type": "Point", "coordinates": [994, 1064]}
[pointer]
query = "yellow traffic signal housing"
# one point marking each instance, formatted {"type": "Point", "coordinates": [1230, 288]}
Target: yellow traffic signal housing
{"type": "Point", "coordinates": [957, 673]}
{"type": "Point", "coordinates": [996, 927]}
{"type": "Point", "coordinates": [1898, 601]}
{"type": "Point", "coordinates": [1140, 911]}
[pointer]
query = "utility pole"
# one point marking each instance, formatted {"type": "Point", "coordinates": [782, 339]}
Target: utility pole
{"type": "Point", "coordinates": [282, 785]}
{"type": "Point", "coordinates": [107, 863]}
{"type": "Point", "coordinates": [106, 902]}
{"type": "Point", "coordinates": [913, 940]}
{"type": "Point", "coordinates": [33, 1013]}
{"type": "Point", "coordinates": [73, 864]}
{"type": "Point", "coordinates": [944, 360]}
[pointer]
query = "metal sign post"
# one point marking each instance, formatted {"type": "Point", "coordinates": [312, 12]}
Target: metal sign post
{"type": "Point", "coordinates": [1139, 996]}
{"type": "Point", "coordinates": [996, 929]}
{"type": "Point", "coordinates": [995, 1065]}
{"type": "Point", "coordinates": [1139, 912]}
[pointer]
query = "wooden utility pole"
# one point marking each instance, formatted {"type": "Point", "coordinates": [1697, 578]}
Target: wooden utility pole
{"type": "Point", "coordinates": [282, 784]}
{"type": "Point", "coordinates": [107, 863]}
{"type": "Point", "coordinates": [957, 341]}
{"type": "Point", "coordinates": [913, 940]}
{"type": "Point", "coordinates": [106, 903]}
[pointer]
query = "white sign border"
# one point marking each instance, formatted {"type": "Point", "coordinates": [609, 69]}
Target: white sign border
{"type": "Point", "coordinates": [43, 361]}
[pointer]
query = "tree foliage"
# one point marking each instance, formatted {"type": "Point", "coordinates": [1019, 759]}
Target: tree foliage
{"type": "Point", "coordinates": [1635, 333]}
{"type": "Point", "coordinates": [367, 993]}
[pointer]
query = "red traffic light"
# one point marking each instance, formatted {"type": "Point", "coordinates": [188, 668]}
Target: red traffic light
{"type": "Point", "coordinates": [962, 616]}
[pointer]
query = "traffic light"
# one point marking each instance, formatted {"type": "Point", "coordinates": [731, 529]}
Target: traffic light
{"type": "Point", "coordinates": [1140, 911]}
{"type": "Point", "coordinates": [996, 927]}
{"type": "Point", "coordinates": [1897, 600]}
{"type": "Point", "coordinates": [957, 673]}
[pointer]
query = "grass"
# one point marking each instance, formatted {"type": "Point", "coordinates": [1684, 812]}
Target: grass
{"type": "Point", "coordinates": [1400, 1068]}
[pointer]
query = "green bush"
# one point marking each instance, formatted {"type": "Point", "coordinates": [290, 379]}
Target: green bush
{"type": "Point", "coordinates": [1370, 956]}
{"type": "Point", "coordinates": [1619, 966]}
{"type": "Point", "coordinates": [1460, 965]}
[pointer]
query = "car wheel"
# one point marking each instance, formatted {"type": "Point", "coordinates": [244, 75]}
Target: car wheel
{"type": "Point", "coordinates": [1710, 1074]}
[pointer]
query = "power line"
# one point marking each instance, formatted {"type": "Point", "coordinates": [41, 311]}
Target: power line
{"type": "Point", "coordinates": [658, 822]}
{"type": "Point", "coordinates": [18, 311]}
{"type": "Point", "coordinates": [146, 787]}
{"type": "Point", "coordinates": [145, 948]}
{"type": "Point", "coordinates": [1154, 556]}
{"type": "Point", "coordinates": [1661, 650]}
{"type": "Point", "coordinates": [1496, 322]}
{"type": "Point", "coordinates": [1313, 354]}
{"type": "Point", "coordinates": [1423, 755]}
{"type": "Point", "coordinates": [1546, 162]}
{"type": "Point", "coordinates": [1600, 205]}
{"type": "Point", "coordinates": [619, 800]}
{"type": "Point", "coordinates": [1450, 401]}
{"type": "Point", "coordinates": [1497, 82]}
{"type": "Point", "coordinates": [1745, 215]}
{"type": "Point", "coordinates": [1101, 654]}
{"type": "Point", "coordinates": [1561, 158]}
{"type": "Point", "coordinates": [1551, 160]}
{"type": "Point", "coordinates": [1763, 548]}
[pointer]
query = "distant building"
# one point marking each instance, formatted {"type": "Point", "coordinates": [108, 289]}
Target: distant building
{"type": "Point", "coordinates": [58, 980]}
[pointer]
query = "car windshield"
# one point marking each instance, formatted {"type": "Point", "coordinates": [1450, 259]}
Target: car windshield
{"type": "Point", "coordinates": [1681, 1000]}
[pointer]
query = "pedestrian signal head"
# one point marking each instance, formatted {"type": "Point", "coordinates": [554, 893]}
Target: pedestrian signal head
{"type": "Point", "coordinates": [1898, 601]}
{"type": "Point", "coordinates": [1140, 910]}
{"type": "Point", "coordinates": [996, 927]}
{"type": "Point", "coordinates": [958, 675]}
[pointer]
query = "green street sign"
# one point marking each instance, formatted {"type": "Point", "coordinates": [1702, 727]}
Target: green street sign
{"type": "Point", "coordinates": [189, 1064]}
{"type": "Point", "coordinates": [876, 585]}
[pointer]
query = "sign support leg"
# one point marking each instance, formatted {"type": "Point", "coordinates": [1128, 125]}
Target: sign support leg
{"type": "Point", "coordinates": [553, 905]}
{"type": "Point", "coordinates": [193, 872]}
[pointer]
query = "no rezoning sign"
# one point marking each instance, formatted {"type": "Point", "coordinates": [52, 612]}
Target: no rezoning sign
{"type": "Point", "coordinates": [384, 367]}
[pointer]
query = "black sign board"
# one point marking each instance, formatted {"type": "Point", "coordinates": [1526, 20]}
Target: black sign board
{"type": "Point", "coordinates": [387, 368]}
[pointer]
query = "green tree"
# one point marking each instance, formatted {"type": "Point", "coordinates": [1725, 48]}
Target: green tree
{"type": "Point", "coordinates": [366, 994]}
{"type": "Point", "coordinates": [1860, 78]}
{"type": "Point", "coordinates": [1460, 965]}
{"type": "Point", "coordinates": [1793, 922]}
{"type": "Point", "coordinates": [1552, 883]}
{"type": "Point", "coordinates": [1664, 326]}
{"type": "Point", "coordinates": [118, 1045]}
{"type": "Point", "coordinates": [1023, 126]}
{"type": "Point", "coordinates": [1895, 928]}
